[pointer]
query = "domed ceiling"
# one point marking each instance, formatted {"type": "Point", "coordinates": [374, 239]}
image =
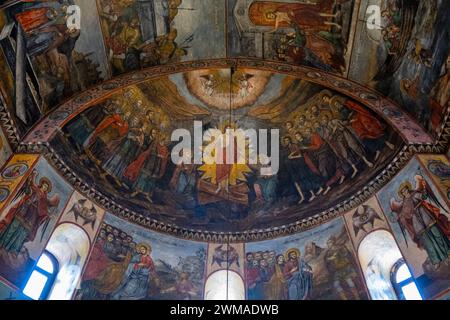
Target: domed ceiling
{"type": "Point", "coordinates": [347, 83]}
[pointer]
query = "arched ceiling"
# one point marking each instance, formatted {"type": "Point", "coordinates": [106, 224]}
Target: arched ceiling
{"type": "Point", "coordinates": [254, 64]}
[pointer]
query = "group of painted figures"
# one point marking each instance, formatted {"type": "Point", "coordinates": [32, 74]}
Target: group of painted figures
{"type": "Point", "coordinates": [50, 43]}
{"type": "Point", "coordinates": [290, 276]}
{"type": "Point", "coordinates": [329, 143]}
{"type": "Point", "coordinates": [121, 269]}
{"type": "Point", "coordinates": [128, 145]}
{"type": "Point", "coordinates": [316, 39]}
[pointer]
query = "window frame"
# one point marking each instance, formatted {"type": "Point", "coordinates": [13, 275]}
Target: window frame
{"type": "Point", "coordinates": [398, 286]}
{"type": "Point", "coordinates": [51, 277]}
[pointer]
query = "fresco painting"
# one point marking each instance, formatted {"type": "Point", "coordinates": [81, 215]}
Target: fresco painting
{"type": "Point", "coordinates": [9, 294]}
{"type": "Point", "coordinates": [314, 265]}
{"type": "Point", "coordinates": [365, 219]}
{"type": "Point", "coordinates": [311, 33]}
{"type": "Point", "coordinates": [438, 168]}
{"type": "Point", "coordinates": [27, 221]}
{"type": "Point", "coordinates": [407, 57]}
{"type": "Point", "coordinates": [13, 174]}
{"type": "Point", "coordinates": [419, 218]}
{"type": "Point", "coordinates": [141, 34]}
{"type": "Point", "coordinates": [226, 257]}
{"type": "Point", "coordinates": [130, 263]}
{"type": "Point", "coordinates": [64, 59]}
{"type": "Point", "coordinates": [5, 150]}
{"type": "Point", "coordinates": [84, 213]}
{"type": "Point", "coordinates": [330, 145]}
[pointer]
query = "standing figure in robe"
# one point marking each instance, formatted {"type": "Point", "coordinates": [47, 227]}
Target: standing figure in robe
{"type": "Point", "coordinates": [370, 130]}
{"type": "Point", "coordinates": [24, 219]}
{"type": "Point", "coordinates": [299, 276]}
{"type": "Point", "coordinates": [127, 151]}
{"type": "Point", "coordinates": [276, 287]}
{"type": "Point", "coordinates": [106, 135]}
{"type": "Point", "coordinates": [428, 227]}
{"type": "Point", "coordinates": [347, 145]}
{"type": "Point", "coordinates": [149, 166]}
{"type": "Point", "coordinates": [339, 263]}
{"type": "Point", "coordinates": [136, 282]}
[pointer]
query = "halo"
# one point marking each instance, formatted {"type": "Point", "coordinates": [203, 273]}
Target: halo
{"type": "Point", "coordinates": [292, 250]}
{"type": "Point", "coordinates": [48, 182]}
{"type": "Point", "coordinates": [403, 186]}
{"type": "Point", "coordinates": [146, 246]}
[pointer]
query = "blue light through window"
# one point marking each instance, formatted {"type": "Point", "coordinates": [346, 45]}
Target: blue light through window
{"type": "Point", "coordinates": [42, 277]}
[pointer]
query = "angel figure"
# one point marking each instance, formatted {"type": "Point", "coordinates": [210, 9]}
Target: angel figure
{"type": "Point", "coordinates": [245, 85]}
{"type": "Point", "coordinates": [33, 210]}
{"type": "Point", "coordinates": [420, 213]}
{"type": "Point", "coordinates": [209, 84]}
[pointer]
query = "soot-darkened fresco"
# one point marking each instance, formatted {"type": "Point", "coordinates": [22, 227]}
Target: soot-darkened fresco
{"type": "Point", "coordinates": [398, 47]}
{"type": "Point", "coordinates": [330, 147]}
{"type": "Point", "coordinates": [407, 56]}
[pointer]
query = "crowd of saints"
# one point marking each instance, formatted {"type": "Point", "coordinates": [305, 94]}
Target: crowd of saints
{"type": "Point", "coordinates": [330, 140]}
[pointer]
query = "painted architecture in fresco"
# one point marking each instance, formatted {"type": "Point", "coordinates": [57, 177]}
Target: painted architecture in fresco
{"type": "Point", "coordinates": [329, 146]}
{"type": "Point", "coordinates": [130, 263]}
{"type": "Point", "coordinates": [314, 265]}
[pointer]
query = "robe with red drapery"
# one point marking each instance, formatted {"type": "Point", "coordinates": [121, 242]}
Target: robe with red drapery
{"type": "Point", "coordinates": [26, 216]}
{"type": "Point", "coordinates": [364, 123]}
{"type": "Point", "coordinates": [133, 170]}
{"type": "Point", "coordinates": [98, 262]}
{"type": "Point", "coordinates": [295, 149]}
{"type": "Point", "coordinates": [223, 170]}
{"type": "Point", "coordinates": [441, 220]}
{"type": "Point", "coordinates": [146, 262]}
{"type": "Point", "coordinates": [115, 121]}
{"type": "Point", "coordinates": [33, 19]}
{"type": "Point", "coordinates": [304, 15]}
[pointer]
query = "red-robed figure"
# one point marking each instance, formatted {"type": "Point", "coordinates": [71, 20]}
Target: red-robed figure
{"type": "Point", "coordinates": [24, 219]}
{"type": "Point", "coordinates": [364, 123]}
{"type": "Point", "coordinates": [304, 15]}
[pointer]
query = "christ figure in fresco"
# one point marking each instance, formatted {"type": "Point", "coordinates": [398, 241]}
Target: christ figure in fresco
{"type": "Point", "coordinates": [136, 282]}
{"type": "Point", "coordinates": [24, 219]}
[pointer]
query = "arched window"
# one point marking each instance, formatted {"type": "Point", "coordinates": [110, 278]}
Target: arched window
{"type": "Point", "coordinates": [224, 285]}
{"type": "Point", "coordinates": [70, 245]}
{"type": "Point", "coordinates": [42, 278]}
{"type": "Point", "coordinates": [404, 283]}
{"type": "Point", "coordinates": [378, 253]}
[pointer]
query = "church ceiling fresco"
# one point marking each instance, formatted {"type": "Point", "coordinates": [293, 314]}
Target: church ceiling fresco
{"type": "Point", "coordinates": [331, 146]}
{"type": "Point", "coordinates": [403, 54]}
{"type": "Point", "coordinates": [155, 66]}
